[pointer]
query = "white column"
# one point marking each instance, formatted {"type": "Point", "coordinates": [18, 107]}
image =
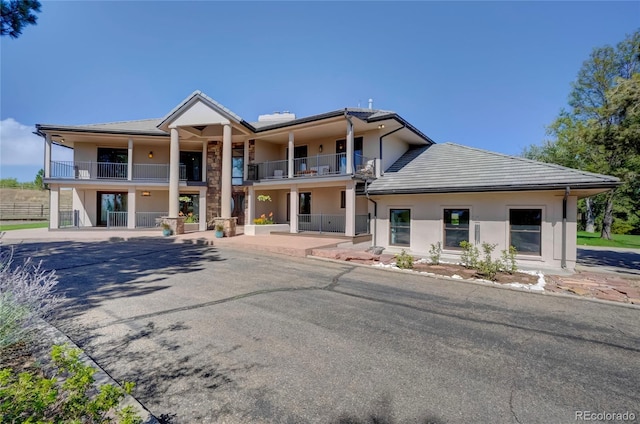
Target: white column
{"type": "Point", "coordinates": [174, 173]}
{"type": "Point", "coordinates": [225, 198]}
{"type": "Point", "coordinates": [204, 161]}
{"type": "Point", "coordinates": [245, 168]}
{"type": "Point", "coordinates": [349, 148]}
{"type": "Point", "coordinates": [251, 205]}
{"type": "Point", "coordinates": [350, 209]}
{"type": "Point", "coordinates": [130, 160]}
{"type": "Point", "coordinates": [202, 216]}
{"type": "Point", "coordinates": [131, 207]}
{"type": "Point", "coordinates": [293, 210]}
{"type": "Point", "coordinates": [47, 156]}
{"type": "Point", "coordinates": [291, 155]}
{"type": "Point", "coordinates": [54, 207]}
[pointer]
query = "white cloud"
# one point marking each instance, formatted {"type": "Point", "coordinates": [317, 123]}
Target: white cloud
{"type": "Point", "coordinates": [18, 144]}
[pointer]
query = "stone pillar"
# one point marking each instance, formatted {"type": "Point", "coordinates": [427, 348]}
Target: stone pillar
{"type": "Point", "coordinates": [131, 207]}
{"type": "Point", "coordinates": [350, 209]}
{"type": "Point", "coordinates": [130, 160]}
{"type": "Point", "coordinates": [174, 173]}
{"type": "Point", "coordinates": [251, 205]}
{"type": "Point", "coordinates": [204, 161]}
{"type": "Point", "coordinates": [214, 159]}
{"type": "Point", "coordinates": [54, 207]}
{"type": "Point", "coordinates": [291, 155]}
{"type": "Point", "coordinates": [225, 201]}
{"type": "Point", "coordinates": [47, 156]}
{"type": "Point", "coordinates": [293, 210]}
{"type": "Point", "coordinates": [349, 148]}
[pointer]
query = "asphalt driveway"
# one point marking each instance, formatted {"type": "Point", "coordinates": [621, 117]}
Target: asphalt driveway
{"type": "Point", "coordinates": [223, 335]}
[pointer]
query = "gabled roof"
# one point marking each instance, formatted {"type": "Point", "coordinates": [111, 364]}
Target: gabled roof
{"type": "Point", "coordinates": [449, 167]}
{"type": "Point", "coordinates": [199, 95]}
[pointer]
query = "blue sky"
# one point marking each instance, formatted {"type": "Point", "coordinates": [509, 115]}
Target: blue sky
{"type": "Point", "coordinates": [491, 75]}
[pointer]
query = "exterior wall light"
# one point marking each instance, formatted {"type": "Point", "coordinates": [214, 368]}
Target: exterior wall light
{"type": "Point", "coordinates": [146, 193]}
{"type": "Point", "coordinates": [320, 148]}
{"type": "Point", "coordinates": [150, 154]}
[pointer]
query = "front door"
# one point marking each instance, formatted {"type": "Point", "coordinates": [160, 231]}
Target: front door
{"type": "Point", "coordinates": [110, 202]}
{"type": "Point", "coordinates": [237, 206]}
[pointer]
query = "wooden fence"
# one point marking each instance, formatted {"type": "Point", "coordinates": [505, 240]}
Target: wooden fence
{"type": "Point", "coordinates": [24, 211]}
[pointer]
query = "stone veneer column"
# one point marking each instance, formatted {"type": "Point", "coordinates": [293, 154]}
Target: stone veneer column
{"type": "Point", "coordinates": [214, 162]}
{"type": "Point", "coordinates": [225, 206]}
{"type": "Point", "coordinates": [174, 174]}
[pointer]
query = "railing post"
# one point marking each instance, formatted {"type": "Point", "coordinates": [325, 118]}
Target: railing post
{"type": "Point", "coordinates": [320, 222]}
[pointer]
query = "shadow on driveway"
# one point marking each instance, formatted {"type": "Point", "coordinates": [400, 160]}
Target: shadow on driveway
{"type": "Point", "coordinates": [626, 262]}
{"type": "Point", "coordinates": [92, 272]}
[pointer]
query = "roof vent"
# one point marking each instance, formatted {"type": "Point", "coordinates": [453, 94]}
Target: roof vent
{"type": "Point", "coordinates": [370, 103]}
{"type": "Point", "coordinates": [277, 117]}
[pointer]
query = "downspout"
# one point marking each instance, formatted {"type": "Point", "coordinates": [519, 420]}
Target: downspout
{"type": "Point", "coordinates": [563, 260]}
{"type": "Point", "coordinates": [375, 214]}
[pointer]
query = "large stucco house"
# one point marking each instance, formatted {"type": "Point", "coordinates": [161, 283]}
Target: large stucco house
{"type": "Point", "coordinates": [354, 171]}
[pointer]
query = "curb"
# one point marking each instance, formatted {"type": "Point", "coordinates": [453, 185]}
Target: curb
{"type": "Point", "coordinates": [51, 333]}
{"type": "Point", "coordinates": [480, 282]}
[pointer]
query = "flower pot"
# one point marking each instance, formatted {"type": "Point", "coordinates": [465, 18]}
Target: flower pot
{"type": "Point", "coordinates": [219, 234]}
{"type": "Point", "coordinates": [166, 232]}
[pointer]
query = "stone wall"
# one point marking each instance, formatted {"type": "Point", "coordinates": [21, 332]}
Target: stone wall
{"type": "Point", "coordinates": [214, 180]}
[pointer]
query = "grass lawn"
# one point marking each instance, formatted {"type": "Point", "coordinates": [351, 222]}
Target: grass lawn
{"type": "Point", "coordinates": [23, 226]}
{"type": "Point", "coordinates": [619, 240]}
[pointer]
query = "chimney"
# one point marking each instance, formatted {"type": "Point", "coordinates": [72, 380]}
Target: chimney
{"type": "Point", "coordinates": [370, 103]}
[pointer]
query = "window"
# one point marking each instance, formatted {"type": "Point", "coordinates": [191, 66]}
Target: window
{"type": "Point", "coordinates": [189, 207]}
{"type": "Point", "coordinates": [237, 166]}
{"type": "Point", "coordinates": [343, 199]}
{"type": "Point", "coordinates": [525, 230]}
{"type": "Point", "coordinates": [400, 227]}
{"type": "Point", "coordinates": [456, 227]}
{"type": "Point", "coordinates": [191, 166]}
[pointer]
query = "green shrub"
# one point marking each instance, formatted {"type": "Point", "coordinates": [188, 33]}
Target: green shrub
{"type": "Point", "coordinates": [64, 398]}
{"type": "Point", "coordinates": [621, 227]}
{"type": "Point", "coordinates": [509, 260]}
{"type": "Point", "coordinates": [404, 260]}
{"type": "Point", "coordinates": [435, 252]}
{"type": "Point", "coordinates": [487, 267]}
{"type": "Point", "coordinates": [469, 256]}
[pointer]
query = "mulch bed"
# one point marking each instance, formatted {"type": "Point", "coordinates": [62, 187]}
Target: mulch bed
{"type": "Point", "coordinates": [449, 270]}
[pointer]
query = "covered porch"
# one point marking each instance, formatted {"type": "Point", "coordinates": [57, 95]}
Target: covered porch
{"type": "Point", "coordinates": [307, 208]}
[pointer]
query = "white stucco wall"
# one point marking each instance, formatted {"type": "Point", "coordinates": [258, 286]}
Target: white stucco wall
{"type": "Point", "coordinates": [392, 149]}
{"type": "Point", "coordinates": [491, 212]}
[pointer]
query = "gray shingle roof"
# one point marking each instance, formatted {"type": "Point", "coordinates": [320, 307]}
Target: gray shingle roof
{"type": "Point", "coordinates": [449, 167]}
{"type": "Point", "coordinates": [142, 126]}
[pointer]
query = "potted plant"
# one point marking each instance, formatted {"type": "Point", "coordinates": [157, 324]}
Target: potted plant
{"type": "Point", "coordinates": [166, 229]}
{"type": "Point", "coordinates": [219, 230]}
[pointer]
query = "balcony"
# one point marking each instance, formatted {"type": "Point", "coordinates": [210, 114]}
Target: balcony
{"type": "Point", "coordinates": [312, 166]}
{"type": "Point", "coordinates": [113, 171]}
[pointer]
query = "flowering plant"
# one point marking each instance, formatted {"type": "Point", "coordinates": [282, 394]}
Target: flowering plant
{"type": "Point", "coordinates": [264, 219]}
